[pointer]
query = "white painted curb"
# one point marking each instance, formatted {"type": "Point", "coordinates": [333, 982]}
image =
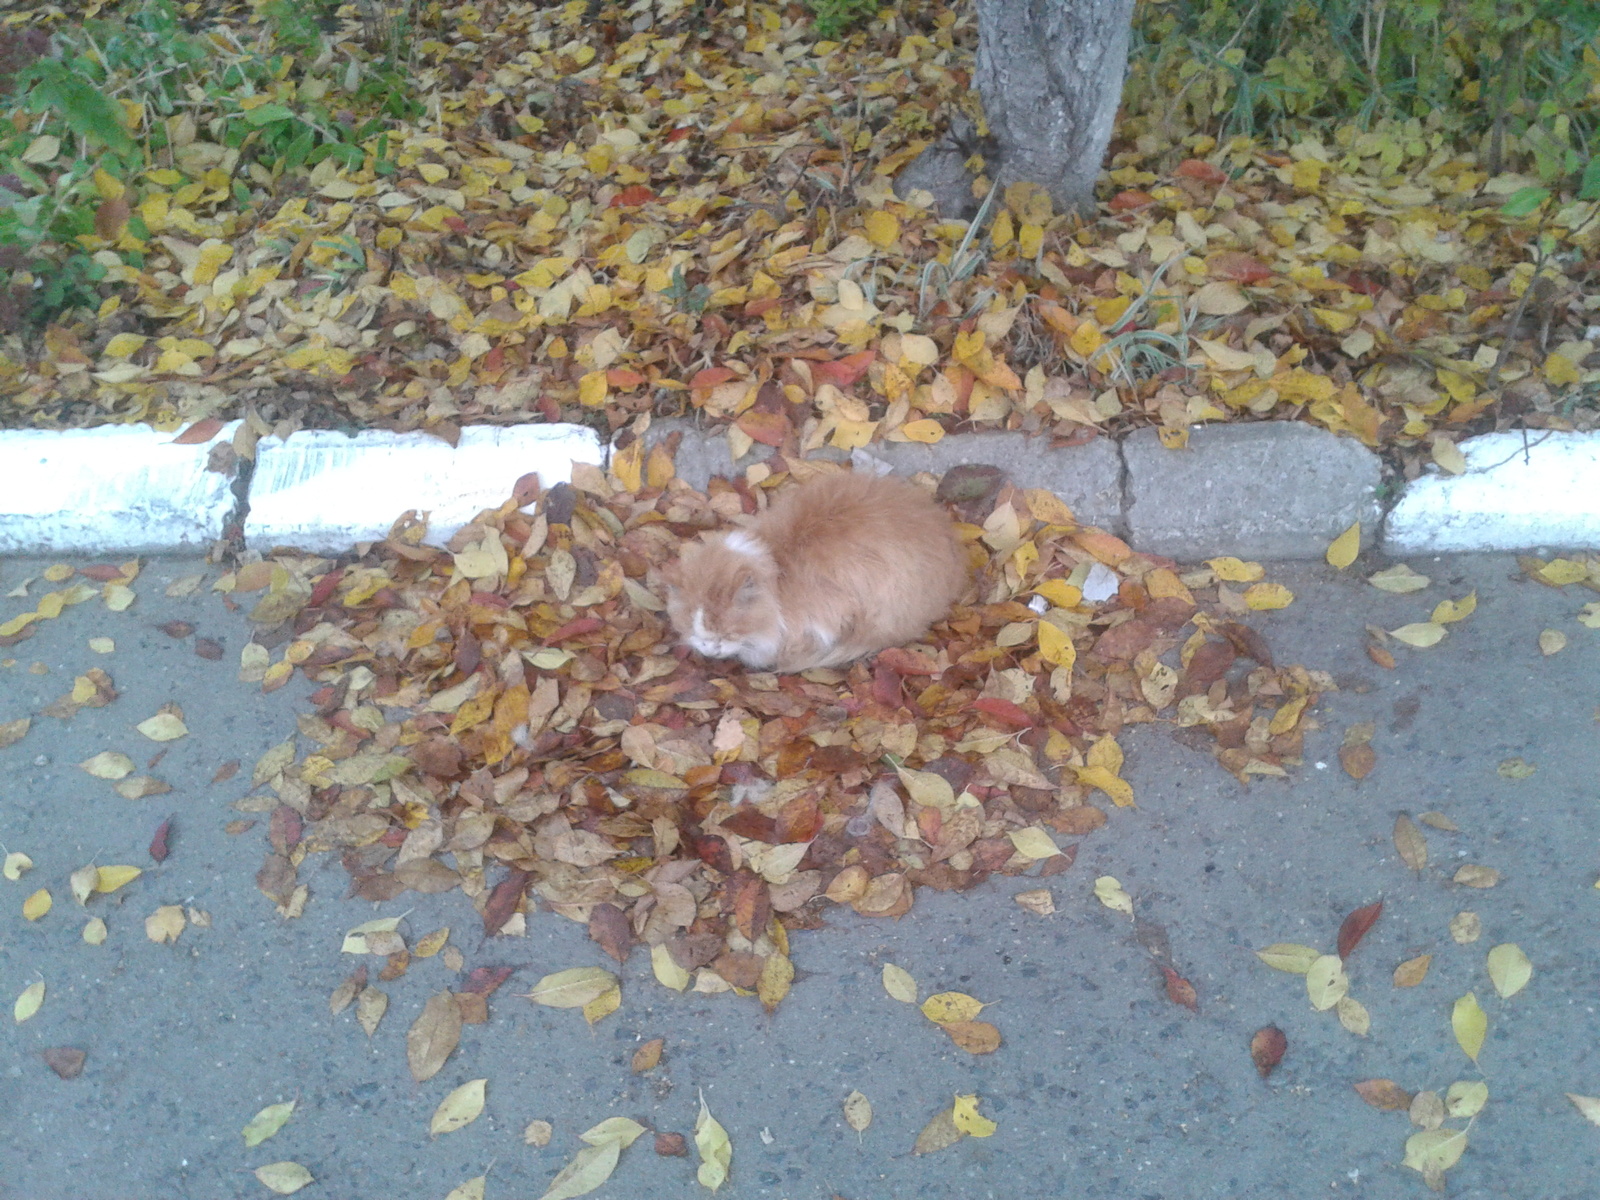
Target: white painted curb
{"type": "Point", "coordinates": [324, 491]}
{"type": "Point", "coordinates": [1520, 491]}
{"type": "Point", "coordinates": [113, 489]}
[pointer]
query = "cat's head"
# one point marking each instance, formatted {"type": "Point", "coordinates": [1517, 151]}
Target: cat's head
{"type": "Point", "coordinates": [722, 598]}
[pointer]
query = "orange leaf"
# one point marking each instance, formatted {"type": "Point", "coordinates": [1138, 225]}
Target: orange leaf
{"type": "Point", "coordinates": [1193, 168]}
{"type": "Point", "coordinates": [1131, 199]}
{"type": "Point", "coordinates": [201, 432]}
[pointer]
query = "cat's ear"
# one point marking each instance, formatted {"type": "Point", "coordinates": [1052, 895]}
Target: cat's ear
{"type": "Point", "coordinates": [749, 590]}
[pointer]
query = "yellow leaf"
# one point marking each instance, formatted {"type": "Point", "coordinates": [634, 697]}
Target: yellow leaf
{"type": "Point", "coordinates": [94, 932]}
{"type": "Point", "coordinates": [1552, 641]}
{"type": "Point", "coordinates": [1264, 597]}
{"type": "Point", "coordinates": [1471, 1025]}
{"type": "Point", "coordinates": [1353, 1015]}
{"type": "Point", "coordinates": [459, 1109]}
{"type": "Point", "coordinates": [1326, 982]}
{"type": "Point", "coordinates": [432, 944]}
{"type": "Point", "coordinates": [1060, 592]}
{"type": "Point", "coordinates": [1233, 570]}
{"type": "Point", "coordinates": [1289, 956]}
{"type": "Point", "coordinates": [622, 1130]}
{"type": "Point", "coordinates": [572, 988]}
{"type": "Point", "coordinates": [1559, 572]}
{"type": "Point", "coordinates": [108, 764]}
{"type": "Point", "coordinates": [667, 970]}
{"type": "Point", "coordinates": [1509, 969]}
{"type": "Point", "coordinates": [929, 789]}
{"type": "Point", "coordinates": [969, 1120]}
{"type": "Point", "coordinates": [882, 228]}
{"type": "Point", "coordinates": [1344, 548]}
{"type": "Point", "coordinates": [628, 466]}
{"type": "Point", "coordinates": [603, 1005]}
{"type": "Point", "coordinates": [1561, 370]}
{"type": "Point", "coordinates": [1449, 457]}
{"type": "Point", "coordinates": [777, 973]}
{"type": "Point", "coordinates": [716, 1151]}
{"type": "Point", "coordinates": [1055, 647]}
{"type": "Point", "coordinates": [1105, 753]}
{"type": "Point", "coordinates": [266, 1123]}
{"type": "Point", "coordinates": [1466, 1098]}
{"type": "Point", "coordinates": [109, 879]}
{"type": "Point", "coordinates": [1033, 842]}
{"type": "Point", "coordinates": [857, 1111]}
{"type": "Point", "coordinates": [1120, 791]}
{"type": "Point", "coordinates": [1030, 240]}
{"type": "Point", "coordinates": [1420, 634]}
{"type": "Point", "coordinates": [16, 864]}
{"type": "Point", "coordinates": [1434, 1151]}
{"type": "Point", "coordinates": [1589, 1106]}
{"type": "Point", "coordinates": [945, 1007]}
{"type": "Point", "coordinates": [1086, 338]}
{"type": "Point", "coordinates": [925, 430]}
{"type": "Point", "coordinates": [1109, 892]}
{"type": "Point", "coordinates": [1449, 611]}
{"type": "Point", "coordinates": [36, 905]}
{"type": "Point", "coordinates": [472, 1189]}
{"type": "Point", "coordinates": [28, 1002]}
{"type": "Point", "coordinates": [1475, 876]}
{"type": "Point", "coordinates": [589, 1168]}
{"type": "Point", "coordinates": [1398, 579]}
{"type": "Point", "coordinates": [592, 389]}
{"type": "Point", "coordinates": [165, 924]}
{"type": "Point", "coordinates": [356, 941]}
{"type": "Point", "coordinates": [898, 983]}
{"type": "Point", "coordinates": [285, 1178]}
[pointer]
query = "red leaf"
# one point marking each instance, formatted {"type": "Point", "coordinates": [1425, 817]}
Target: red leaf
{"type": "Point", "coordinates": [1267, 1049]}
{"type": "Point", "coordinates": [176, 629]}
{"type": "Point", "coordinates": [1355, 927]}
{"type": "Point", "coordinates": [503, 900]}
{"type": "Point", "coordinates": [1130, 199]}
{"type": "Point", "coordinates": [101, 572]}
{"type": "Point", "coordinates": [751, 905]}
{"type": "Point", "coordinates": [208, 648]}
{"type": "Point", "coordinates": [886, 686]}
{"type": "Point", "coordinates": [482, 981]}
{"type": "Point", "coordinates": [713, 851]}
{"type": "Point", "coordinates": [324, 588]}
{"type": "Point", "coordinates": [575, 629]}
{"type": "Point", "coordinates": [710, 377]}
{"type": "Point", "coordinates": [65, 1061]}
{"type": "Point", "coordinates": [1003, 711]}
{"type": "Point", "coordinates": [623, 379]}
{"type": "Point", "coordinates": [752, 823]}
{"type": "Point", "coordinates": [678, 134]}
{"type": "Point", "coordinates": [159, 848]}
{"type": "Point", "coordinates": [198, 434]}
{"type": "Point", "coordinates": [844, 372]}
{"type": "Point", "coordinates": [632, 196]}
{"type": "Point", "coordinates": [768, 428]}
{"type": "Point", "coordinates": [1180, 990]}
{"type": "Point", "coordinates": [610, 929]}
{"type": "Point", "coordinates": [1239, 266]}
{"type": "Point", "coordinates": [284, 829]}
{"type": "Point", "coordinates": [907, 662]}
{"type": "Point", "coordinates": [1194, 168]}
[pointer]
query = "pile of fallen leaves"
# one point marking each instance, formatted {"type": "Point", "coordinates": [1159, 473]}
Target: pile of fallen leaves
{"type": "Point", "coordinates": [510, 715]}
{"type": "Point", "coordinates": [660, 209]}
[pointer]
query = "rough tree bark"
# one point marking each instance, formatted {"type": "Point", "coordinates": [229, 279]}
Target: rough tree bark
{"type": "Point", "coordinates": [1050, 74]}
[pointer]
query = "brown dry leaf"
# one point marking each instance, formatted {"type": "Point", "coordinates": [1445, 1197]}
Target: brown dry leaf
{"type": "Point", "coordinates": [65, 1061]}
{"type": "Point", "coordinates": [1267, 1049]}
{"type": "Point", "coordinates": [1409, 842]}
{"type": "Point", "coordinates": [647, 1056]}
{"type": "Point", "coordinates": [939, 1133]}
{"type": "Point", "coordinates": [857, 1112]}
{"type": "Point", "coordinates": [1384, 1094]}
{"type": "Point", "coordinates": [1039, 901]}
{"type": "Point", "coordinates": [1474, 876]}
{"type": "Point", "coordinates": [975, 1037]}
{"type": "Point", "coordinates": [1180, 990]}
{"type": "Point", "coordinates": [1413, 971]}
{"type": "Point", "coordinates": [371, 1004]}
{"type": "Point", "coordinates": [1465, 928]}
{"type": "Point", "coordinates": [433, 1037]}
{"type": "Point", "coordinates": [1356, 925]}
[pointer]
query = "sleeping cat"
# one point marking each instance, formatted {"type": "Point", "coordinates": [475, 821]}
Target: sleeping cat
{"type": "Point", "coordinates": [836, 568]}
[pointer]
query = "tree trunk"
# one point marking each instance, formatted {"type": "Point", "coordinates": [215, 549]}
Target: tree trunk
{"type": "Point", "coordinates": [1049, 73]}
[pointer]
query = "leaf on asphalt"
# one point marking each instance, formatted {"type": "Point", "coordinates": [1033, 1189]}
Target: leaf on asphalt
{"type": "Point", "coordinates": [377, 936]}
{"type": "Point", "coordinates": [472, 1189]}
{"type": "Point", "coordinates": [1470, 1025]}
{"type": "Point", "coordinates": [1179, 989]}
{"type": "Point", "coordinates": [36, 905]}
{"type": "Point", "coordinates": [1326, 982]}
{"type": "Point", "coordinates": [1420, 634]}
{"type": "Point", "coordinates": [1039, 901]}
{"type": "Point", "coordinates": [371, 1004]}
{"type": "Point", "coordinates": [1399, 579]}
{"type": "Point", "coordinates": [975, 1037]}
{"type": "Point", "coordinates": [589, 1168]}
{"type": "Point", "coordinates": [17, 864]}
{"type": "Point", "coordinates": [715, 1150]}
{"type": "Point", "coordinates": [1466, 1098]}
{"type": "Point", "coordinates": [1267, 1048]}
{"type": "Point", "coordinates": [622, 1130]}
{"type": "Point", "coordinates": [666, 969]}
{"type": "Point", "coordinates": [1515, 768]}
{"type": "Point", "coordinates": [1356, 925]}
{"type": "Point", "coordinates": [1552, 641]}
{"type": "Point", "coordinates": [939, 1133]}
{"type": "Point", "coordinates": [857, 1112]}
{"type": "Point", "coordinates": [1434, 1151]}
{"type": "Point", "coordinates": [538, 1133]}
{"type": "Point", "coordinates": [1267, 597]}
{"type": "Point", "coordinates": [65, 1061]}
{"type": "Point", "coordinates": [108, 764]}
{"type": "Point", "coordinates": [81, 883]}
{"type": "Point", "coordinates": [1509, 969]}
{"type": "Point", "coordinates": [1289, 956]}
{"type": "Point", "coordinates": [284, 1178]}
{"type": "Point", "coordinates": [94, 932]}
{"type": "Point", "coordinates": [12, 732]}
{"type": "Point", "coordinates": [898, 983]}
{"type": "Point", "coordinates": [1344, 549]}
{"type": "Point", "coordinates": [160, 841]}
{"type": "Point", "coordinates": [109, 879]}
{"type": "Point", "coordinates": [603, 1005]}
{"type": "Point", "coordinates": [460, 1108]}
{"type": "Point", "coordinates": [944, 1007]}
{"type": "Point", "coordinates": [647, 1056]}
{"type": "Point", "coordinates": [572, 988]}
{"type": "Point", "coordinates": [28, 1002]}
{"type": "Point", "coordinates": [165, 924]}
{"type": "Point", "coordinates": [1474, 876]}
{"type": "Point", "coordinates": [1353, 1015]}
{"type": "Point", "coordinates": [266, 1123]}
{"type": "Point", "coordinates": [1109, 892]}
{"type": "Point", "coordinates": [433, 1036]}
{"type": "Point", "coordinates": [1589, 1106]}
{"type": "Point", "coordinates": [1410, 843]}
{"type": "Point", "coordinates": [1465, 928]}
{"type": "Point", "coordinates": [964, 1112]}
{"type": "Point", "coordinates": [1413, 971]}
{"type": "Point", "coordinates": [1447, 612]}
{"type": "Point", "coordinates": [163, 727]}
{"type": "Point", "coordinates": [1384, 1094]}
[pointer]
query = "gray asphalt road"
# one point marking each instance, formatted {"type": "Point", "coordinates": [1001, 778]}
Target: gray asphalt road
{"type": "Point", "coordinates": [1103, 1088]}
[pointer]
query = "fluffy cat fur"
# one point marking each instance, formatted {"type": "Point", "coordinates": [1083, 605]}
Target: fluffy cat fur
{"type": "Point", "coordinates": [838, 567]}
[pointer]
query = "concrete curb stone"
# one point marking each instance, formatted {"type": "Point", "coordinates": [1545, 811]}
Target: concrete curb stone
{"type": "Point", "coordinates": [113, 489]}
{"type": "Point", "coordinates": [322, 490]}
{"type": "Point", "coordinates": [1267, 490]}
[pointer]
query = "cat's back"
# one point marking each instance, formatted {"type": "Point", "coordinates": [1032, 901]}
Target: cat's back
{"type": "Point", "coordinates": [855, 520]}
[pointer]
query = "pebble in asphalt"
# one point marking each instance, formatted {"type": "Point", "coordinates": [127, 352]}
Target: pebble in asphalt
{"type": "Point", "coordinates": [1103, 1088]}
